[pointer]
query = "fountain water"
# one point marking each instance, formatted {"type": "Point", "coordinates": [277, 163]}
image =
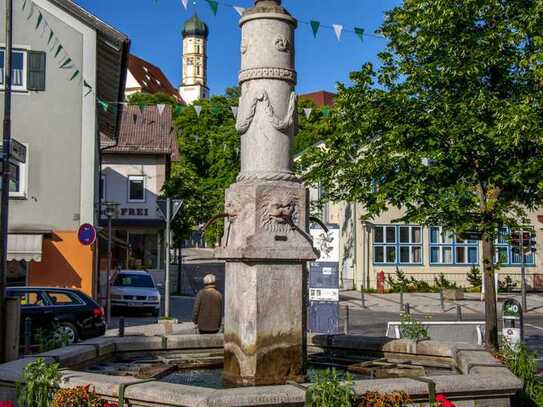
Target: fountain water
{"type": "Point", "coordinates": [266, 246]}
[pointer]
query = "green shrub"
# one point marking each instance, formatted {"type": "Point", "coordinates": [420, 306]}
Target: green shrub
{"type": "Point", "coordinates": [412, 329]}
{"type": "Point", "coordinates": [329, 389]}
{"type": "Point", "coordinates": [441, 282]}
{"type": "Point", "coordinates": [523, 364]}
{"type": "Point", "coordinates": [50, 339]}
{"type": "Point", "coordinates": [39, 383]}
{"type": "Point", "coordinates": [506, 285]}
{"type": "Point", "coordinates": [475, 277]}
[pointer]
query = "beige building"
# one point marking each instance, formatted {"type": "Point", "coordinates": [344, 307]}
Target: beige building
{"type": "Point", "coordinates": [367, 248]}
{"type": "Point", "coordinates": [194, 82]}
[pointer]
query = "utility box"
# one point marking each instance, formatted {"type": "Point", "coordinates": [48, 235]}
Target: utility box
{"type": "Point", "coordinates": [513, 322]}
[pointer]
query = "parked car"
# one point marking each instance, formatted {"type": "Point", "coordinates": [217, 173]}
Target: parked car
{"type": "Point", "coordinates": [135, 290]}
{"type": "Point", "coordinates": [75, 313]}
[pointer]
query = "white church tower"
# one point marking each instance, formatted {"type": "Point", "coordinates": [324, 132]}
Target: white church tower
{"type": "Point", "coordinates": [194, 85]}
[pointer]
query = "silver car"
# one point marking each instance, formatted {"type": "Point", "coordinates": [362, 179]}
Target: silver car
{"type": "Point", "coordinates": [135, 290]}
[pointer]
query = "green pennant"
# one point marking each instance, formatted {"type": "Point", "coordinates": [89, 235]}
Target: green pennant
{"type": "Point", "coordinates": [325, 111]}
{"type": "Point", "coordinates": [51, 35]}
{"type": "Point", "coordinates": [60, 47]}
{"type": "Point", "coordinates": [89, 87]}
{"type": "Point", "coordinates": [214, 6]}
{"type": "Point", "coordinates": [103, 105]}
{"type": "Point", "coordinates": [24, 5]}
{"type": "Point", "coordinates": [315, 25]}
{"type": "Point", "coordinates": [215, 110]}
{"type": "Point", "coordinates": [75, 75]}
{"type": "Point", "coordinates": [66, 63]}
{"type": "Point", "coordinates": [40, 19]}
{"type": "Point", "coordinates": [360, 32]}
{"type": "Point", "coordinates": [178, 110]}
{"type": "Point", "coordinates": [142, 107]}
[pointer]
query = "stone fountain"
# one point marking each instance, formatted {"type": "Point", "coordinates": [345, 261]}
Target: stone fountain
{"type": "Point", "coordinates": [266, 245]}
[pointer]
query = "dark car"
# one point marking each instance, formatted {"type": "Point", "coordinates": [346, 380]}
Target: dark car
{"type": "Point", "coordinates": [75, 313]}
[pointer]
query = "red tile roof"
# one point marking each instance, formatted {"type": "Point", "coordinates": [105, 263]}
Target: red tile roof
{"type": "Point", "coordinates": [320, 98]}
{"type": "Point", "coordinates": [150, 77]}
{"type": "Point", "coordinates": [147, 132]}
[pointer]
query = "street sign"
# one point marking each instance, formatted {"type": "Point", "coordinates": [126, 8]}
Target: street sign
{"type": "Point", "coordinates": [324, 294]}
{"type": "Point", "coordinates": [13, 169]}
{"type": "Point", "coordinates": [472, 235]}
{"type": "Point", "coordinates": [174, 208]}
{"type": "Point", "coordinates": [17, 151]}
{"type": "Point", "coordinates": [86, 234]}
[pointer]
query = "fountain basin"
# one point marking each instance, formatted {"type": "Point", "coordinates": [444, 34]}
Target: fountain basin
{"type": "Point", "coordinates": [478, 379]}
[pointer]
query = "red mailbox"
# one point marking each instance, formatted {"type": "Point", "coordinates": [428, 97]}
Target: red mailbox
{"type": "Point", "coordinates": [381, 282]}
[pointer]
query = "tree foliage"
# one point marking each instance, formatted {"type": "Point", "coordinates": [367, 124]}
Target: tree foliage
{"type": "Point", "coordinates": [318, 127]}
{"type": "Point", "coordinates": [449, 126]}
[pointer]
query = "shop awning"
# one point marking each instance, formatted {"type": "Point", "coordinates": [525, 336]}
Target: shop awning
{"type": "Point", "coordinates": [24, 247]}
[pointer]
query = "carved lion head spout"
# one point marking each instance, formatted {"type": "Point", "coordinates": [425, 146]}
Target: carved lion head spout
{"type": "Point", "coordinates": [278, 210]}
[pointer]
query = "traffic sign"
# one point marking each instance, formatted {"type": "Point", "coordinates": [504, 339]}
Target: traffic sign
{"type": "Point", "coordinates": [175, 205]}
{"type": "Point", "coordinates": [13, 169]}
{"type": "Point", "coordinates": [86, 234]}
{"type": "Point", "coordinates": [17, 151]}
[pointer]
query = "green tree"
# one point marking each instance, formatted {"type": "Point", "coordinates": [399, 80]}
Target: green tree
{"type": "Point", "coordinates": [449, 127]}
{"type": "Point", "coordinates": [318, 127]}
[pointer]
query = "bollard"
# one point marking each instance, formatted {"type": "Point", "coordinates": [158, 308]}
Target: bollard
{"type": "Point", "coordinates": [346, 324]}
{"type": "Point", "coordinates": [11, 336]}
{"type": "Point", "coordinates": [28, 336]}
{"type": "Point", "coordinates": [121, 326]}
{"type": "Point", "coordinates": [459, 313]}
{"type": "Point", "coordinates": [362, 297]}
{"type": "Point", "coordinates": [442, 300]}
{"type": "Point", "coordinates": [407, 309]}
{"type": "Point", "coordinates": [401, 299]}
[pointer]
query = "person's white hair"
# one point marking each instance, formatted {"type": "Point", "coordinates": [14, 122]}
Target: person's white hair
{"type": "Point", "coordinates": [209, 279]}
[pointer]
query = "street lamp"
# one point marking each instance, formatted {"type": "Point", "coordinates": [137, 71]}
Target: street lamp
{"type": "Point", "coordinates": [111, 210]}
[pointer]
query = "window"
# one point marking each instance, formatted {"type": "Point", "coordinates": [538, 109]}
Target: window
{"type": "Point", "coordinates": [18, 184]}
{"type": "Point", "coordinates": [447, 248]}
{"type": "Point", "coordinates": [136, 188]}
{"type": "Point", "coordinates": [506, 254]}
{"type": "Point", "coordinates": [63, 298]}
{"type": "Point", "coordinates": [197, 69]}
{"type": "Point", "coordinates": [397, 244]}
{"type": "Point", "coordinates": [18, 73]}
{"type": "Point", "coordinates": [143, 251]}
{"type": "Point", "coordinates": [29, 299]}
{"type": "Point", "coordinates": [134, 280]}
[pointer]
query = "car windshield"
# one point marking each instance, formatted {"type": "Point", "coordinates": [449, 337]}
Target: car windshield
{"type": "Point", "coordinates": [134, 280]}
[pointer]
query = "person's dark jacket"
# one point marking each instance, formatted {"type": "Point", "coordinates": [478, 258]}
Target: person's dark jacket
{"type": "Point", "coordinates": [207, 312]}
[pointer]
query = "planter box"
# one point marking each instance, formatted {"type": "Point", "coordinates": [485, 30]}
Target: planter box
{"type": "Point", "coordinates": [453, 294]}
{"type": "Point", "coordinates": [168, 325]}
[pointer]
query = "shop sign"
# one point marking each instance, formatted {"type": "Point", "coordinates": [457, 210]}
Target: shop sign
{"type": "Point", "coordinates": [134, 212]}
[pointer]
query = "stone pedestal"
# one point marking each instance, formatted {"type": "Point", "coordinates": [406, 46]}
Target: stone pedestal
{"type": "Point", "coordinates": [266, 245]}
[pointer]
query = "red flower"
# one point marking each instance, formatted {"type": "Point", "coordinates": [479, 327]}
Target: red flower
{"type": "Point", "coordinates": [443, 402]}
{"type": "Point", "coordinates": [6, 403]}
{"type": "Point", "coordinates": [107, 404]}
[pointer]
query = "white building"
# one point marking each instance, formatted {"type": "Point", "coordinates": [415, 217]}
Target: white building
{"type": "Point", "coordinates": [194, 82]}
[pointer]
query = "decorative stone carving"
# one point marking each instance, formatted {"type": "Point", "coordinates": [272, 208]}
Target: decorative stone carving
{"type": "Point", "coordinates": [281, 43]}
{"type": "Point", "coordinates": [283, 74]}
{"type": "Point", "coordinates": [245, 118]}
{"type": "Point", "coordinates": [268, 176]}
{"type": "Point", "coordinates": [244, 46]}
{"type": "Point", "coordinates": [278, 211]}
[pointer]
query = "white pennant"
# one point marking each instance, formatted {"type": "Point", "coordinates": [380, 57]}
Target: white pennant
{"type": "Point", "coordinates": [161, 108]}
{"type": "Point", "coordinates": [307, 112]}
{"type": "Point", "coordinates": [338, 29]}
{"type": "Point", "coordinates": [185, 3]}
{"type": "Point", "coordinates": [198, 110]}
{"type": "Point", "coordinates": [235, 111]}
{"type": "Point", "coordinates": [239, 9]}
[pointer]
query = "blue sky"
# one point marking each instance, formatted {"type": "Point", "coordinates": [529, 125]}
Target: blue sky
{"type": "Point", "coordinates": [154, 27]}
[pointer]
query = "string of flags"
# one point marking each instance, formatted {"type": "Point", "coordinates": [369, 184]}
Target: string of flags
{"type": "Point", "coordinates": [54, 45]}
{"type": "Point", "coordinates": [315, 25]}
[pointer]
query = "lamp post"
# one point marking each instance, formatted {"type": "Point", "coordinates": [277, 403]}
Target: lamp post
{"type": "Point", "coordinates": [110, 210]}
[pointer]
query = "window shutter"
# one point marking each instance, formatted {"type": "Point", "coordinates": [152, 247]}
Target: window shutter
{"type": "Point", "coordinates": [36, 70]}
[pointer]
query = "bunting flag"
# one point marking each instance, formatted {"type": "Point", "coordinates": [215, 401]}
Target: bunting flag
{"type": "Point", "coordinates": [160, 107]}
{"type": "Point", "coordinates": [40, 19]}
{"type": "Point", "coordinates": [60, 48]}
{"type": "Point", "coordinates": [103, 105]}
{"type": "Point", "coordinates": [338, 30]}
{"type": "Point", "coordinates": [235, 111]}
{"type": "Point", "coordinates": [240, 10]}
{"type": "Point", "coordinates": [88, 87]}
{"type": "Point", "coordinates": [215, 110]}
{"type": "Point", "coordinates": [198, 110]}
{"type": "Point", "coordinates": [315, 27]}
{"type": "Point", "coordinates": [75, 75]}
{"type": "Point", "coordinates": [142, 107]}
{"type": "Point", "coordinates": [178, 109]}
{"type": "Point", "coordinates": [325, 111]}
{"type": "Point", "coordinates": [214, 6]}
{"type": "Point", "coordinates": [31, 11]}
{"type": "Point", "coordinates": [185, 3]}
{"type": "Point", "coordinates": [67, 64]}
{"type": "Point", "coordinates": [307, 112]}
{"type": "Point", "coordinates": [360, 32]}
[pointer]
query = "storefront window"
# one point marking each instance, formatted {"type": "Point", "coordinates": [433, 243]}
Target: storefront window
{"type": "Point", "coordinates": [144, 251]}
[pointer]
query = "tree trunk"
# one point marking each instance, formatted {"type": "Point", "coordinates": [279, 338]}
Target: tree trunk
{"type": "Point", "coordinates": [491, 317]}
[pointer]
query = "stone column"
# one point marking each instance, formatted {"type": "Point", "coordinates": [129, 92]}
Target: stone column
{"type": "Point", "coordinates": [266, 245]}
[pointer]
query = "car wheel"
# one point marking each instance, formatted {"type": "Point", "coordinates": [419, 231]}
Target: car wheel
{"type": "Point", "coordinates": [68, 331]}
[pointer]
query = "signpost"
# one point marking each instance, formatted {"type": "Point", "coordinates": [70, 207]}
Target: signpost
{"type": "Point", "coordinates": [86, 234]}
{"type": "Point", "coordinates": [513, 322]}
{"type": "Point", "coordinates": [168, 208]}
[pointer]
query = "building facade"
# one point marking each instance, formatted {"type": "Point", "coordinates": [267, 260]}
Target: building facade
{"type": "Point", "coordinates": [54, 114]}
{"type": "Point", "coordinates": [145, 77]}
{"type": "Point", "coordinates": [133, 174]}
{"type": "Point", "coordinates": [194, 82]}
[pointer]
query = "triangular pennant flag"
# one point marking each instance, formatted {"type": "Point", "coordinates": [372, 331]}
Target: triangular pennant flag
{"type": "Point", "coordinates": [185, 3]}
{"type": "Point", "coordinates": [44, 29]}
{"type": "Point", "coordinates": [214, 6]}
{"type": "Point", "coordinates": [360, 32]}
{"type": "Point", "coordinates": [66, 64]}
{"type": "Point", "coordinates": [338, 30]}
{"type": "Point", "coordinates": [235, 111]}
{"type": "Point", "coordinates": [160, 107]}
{"type": "Point", "coordinates": [24, 5]}
{"type": "Point", "coordinates": [60, 47]}
{"type": "Point", "coordinates": [142, 107]}
{"type": "Point", "coordinates": [307, 112]}
{"type": "Point", "coordinates": [40, 19]}
{"type": "Point", "coordinates": [178, 109]}
{"type": "Point", "coordinates": [315, 27]}
{"type": "Point", "coordinates": [239, 9]}
{"type": "Point", "coordinates": [55, 43]}
{"type": "Point", "coordinates": [134, 117]}
{"type": "Point", "coordinates": [103, 104]}
{"type": "Point", "coordinates": [89, 87]}
{"type": "Point", "coordinates": [198, 110]}
{"type": "Point", "coordinates": [215, 110]}
{"type": "Point", "coordinates": [75, 75]}
{"type": "Point", "coordinates": [325, 111]}
{"type": "Point", "coordinates": [31, 11]}
{"type": "Point", "coordinates": [51, 35]}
